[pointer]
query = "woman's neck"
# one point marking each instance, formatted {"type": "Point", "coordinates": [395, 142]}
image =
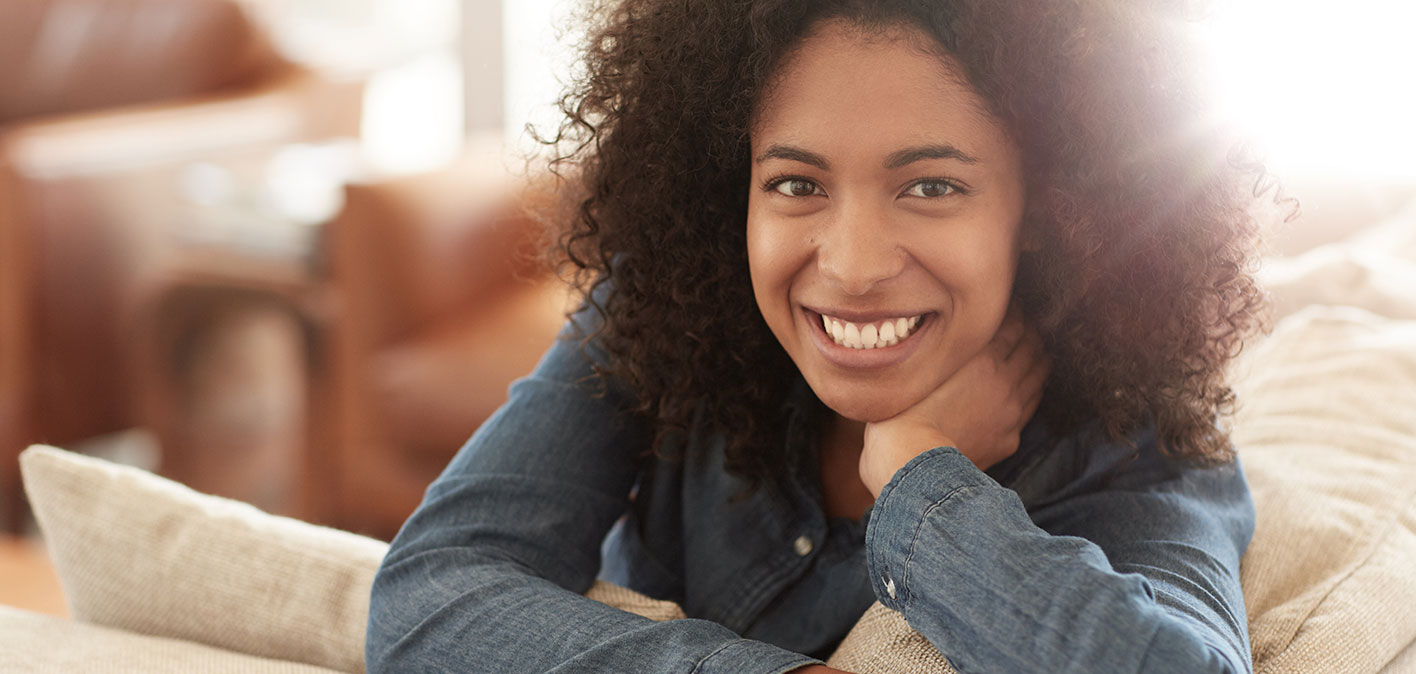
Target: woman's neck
{"type": "Point", "coordinates": [844, 435]}
{"type": "Point", "coordinates": [843, 493]}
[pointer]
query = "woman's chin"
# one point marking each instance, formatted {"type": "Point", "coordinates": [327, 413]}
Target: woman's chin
{"type": "Point", "coordinates": [865, 408]}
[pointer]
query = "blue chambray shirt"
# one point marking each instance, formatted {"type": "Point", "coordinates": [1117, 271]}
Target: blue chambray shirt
{"type": "Point", "coordinates": [1073, 555]}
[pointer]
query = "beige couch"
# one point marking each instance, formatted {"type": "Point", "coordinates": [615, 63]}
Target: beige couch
{"type": "Point", "coordinates": [160, 578]}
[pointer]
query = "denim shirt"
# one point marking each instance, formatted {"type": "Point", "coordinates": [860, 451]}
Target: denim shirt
{"type": "Point", "coordinates": [1072, 555]}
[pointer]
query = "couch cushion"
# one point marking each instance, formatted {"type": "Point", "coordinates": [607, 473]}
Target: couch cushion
{"type": "Point", "coordinates": [138, 552]}
{"type": "Point", "coordinates": [1376, 279]}
{"type": "Point", "coordinates": [1374, 270]}
{"type": "Point", "coordinates": [41, 644]}
{"type": "Point", "coordinates": [1327, 431]}
{"type": "Point", "coordinates": [883, 643]}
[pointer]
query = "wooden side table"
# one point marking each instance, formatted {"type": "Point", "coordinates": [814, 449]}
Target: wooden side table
{"type": "Point", "coordinates": [227, 343]}
{"type": "Point", "coordinates": [228, 358]}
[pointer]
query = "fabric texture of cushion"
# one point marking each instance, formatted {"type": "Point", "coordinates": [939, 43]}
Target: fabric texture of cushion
{"type": "Point", "coordinates": [42, 644]}
{"type": "Point", "coordinates": [883, 643]}
{"type": "Point", "coordinates": [1373, 270]}
{"type": "Point", "coordinates": [1327, 431]}
{"type": "Point", "coordinates": [141, 553]}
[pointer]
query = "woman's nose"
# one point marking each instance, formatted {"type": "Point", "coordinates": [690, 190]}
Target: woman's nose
{"type": "Point", "coordinates": [857, 252]}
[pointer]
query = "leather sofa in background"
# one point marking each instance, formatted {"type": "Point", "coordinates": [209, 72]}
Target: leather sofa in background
{"type": "Point", "coordinates": [102, 102]}
{"type": "Point", "coordinates": [440, 302]}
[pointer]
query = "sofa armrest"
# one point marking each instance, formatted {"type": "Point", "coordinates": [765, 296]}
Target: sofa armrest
{"type": "Point", "coordinates": [409, 252]}
{"type": "Point", "coordinates": [16, 307]}
{"type": "Point", "coordinates": [290, 106]}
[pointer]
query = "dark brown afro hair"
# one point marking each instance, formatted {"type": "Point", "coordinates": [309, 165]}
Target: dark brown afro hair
{"type": "Point", "coordinates": [1141, 288]}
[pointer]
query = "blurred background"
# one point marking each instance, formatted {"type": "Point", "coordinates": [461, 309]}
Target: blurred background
{"type": "Point", "coordinates": [275, 249]}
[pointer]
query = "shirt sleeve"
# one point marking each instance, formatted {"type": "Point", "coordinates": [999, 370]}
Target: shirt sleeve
{"type": "Point", "coordinates": [1138, 572]}
{"type": "Point", "coordinates": [488, 573]}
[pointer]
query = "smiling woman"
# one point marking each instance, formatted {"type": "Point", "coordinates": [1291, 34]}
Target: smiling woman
{"type": "Point", "coordinates": [924, 303]}
{"type": "Point", "coordinates": [890, 235]}
{"type": "Point", "coordinates": [897, 223]}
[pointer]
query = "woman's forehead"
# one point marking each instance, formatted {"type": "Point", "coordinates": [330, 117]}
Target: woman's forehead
{"type": "Point", "coordinates": [845, 87]}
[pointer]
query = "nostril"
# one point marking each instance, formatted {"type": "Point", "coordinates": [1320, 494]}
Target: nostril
{"type": "Point", "coordinates": [856, 266]}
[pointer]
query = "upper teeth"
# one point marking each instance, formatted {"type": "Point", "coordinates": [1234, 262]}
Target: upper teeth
{"type": "Point", "coordinates": [888, 332]}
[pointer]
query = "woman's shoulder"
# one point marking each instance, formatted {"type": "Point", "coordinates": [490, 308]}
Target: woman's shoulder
{"type": "Point", "coordinates": [578, 364]}
{"type": "Point", "coordinates": [1051, 467]}
{"type": "Point", "coordinates": [578, 351]}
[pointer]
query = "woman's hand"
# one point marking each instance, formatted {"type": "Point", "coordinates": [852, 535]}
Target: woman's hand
{"type": "Point", "coordinates": [980, 410]}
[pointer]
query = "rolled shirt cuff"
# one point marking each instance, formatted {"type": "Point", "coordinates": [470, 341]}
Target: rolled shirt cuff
{"type": "Point", "coordinates": [925, 482]}
{"type": "Point", "coordinates": [746, 655]}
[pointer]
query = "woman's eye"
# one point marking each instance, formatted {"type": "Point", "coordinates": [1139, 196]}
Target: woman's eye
{"type": "Point", "coordinates": [930, 189]}
{"type": "Point", "coordinates": [796, 187]}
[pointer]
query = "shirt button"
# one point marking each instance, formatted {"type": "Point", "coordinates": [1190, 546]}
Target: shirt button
{"type": "Point", "coordinates": [803, 546]}
{"type": "Point", "coordinates": [890, 587]}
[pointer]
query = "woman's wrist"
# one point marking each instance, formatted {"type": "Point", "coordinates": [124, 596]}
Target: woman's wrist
{"type": "Point", "coordinates": [887, 450]}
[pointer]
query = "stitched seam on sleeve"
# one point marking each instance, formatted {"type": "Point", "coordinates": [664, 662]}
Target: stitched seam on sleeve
{"type": "Point", "coordinates": [873, 544]}
{"type": "Point", "coordinates": [699, 667]}
{"type": "Point", "coordinates": [914, 542]}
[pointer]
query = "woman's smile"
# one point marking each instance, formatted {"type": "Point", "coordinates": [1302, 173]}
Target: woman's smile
{"type": "Point", "coordinates": [866, 342]}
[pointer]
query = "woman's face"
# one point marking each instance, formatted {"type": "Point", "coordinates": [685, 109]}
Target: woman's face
{"type": "Point", "coordinates": [887, 200]}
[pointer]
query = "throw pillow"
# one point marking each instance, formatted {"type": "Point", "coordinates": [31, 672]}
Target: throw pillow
{"type": "Point", "coordinates": [139, 552]}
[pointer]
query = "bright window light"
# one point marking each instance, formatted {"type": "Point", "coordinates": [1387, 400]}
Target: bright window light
{"type": "Point", "coordinates": [1325, 88]}
{"type": "Point", "coordinates": [413, 115]}
{"type": "Point", "coordinates": [405, 50]}
{"type": "Point", "coordinates": [540, 58]}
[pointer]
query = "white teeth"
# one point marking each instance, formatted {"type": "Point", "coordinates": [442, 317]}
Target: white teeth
{"type": "Point", "coordinates": [870, 336]}
{"type": "Point", "coordinates": [852, 339]}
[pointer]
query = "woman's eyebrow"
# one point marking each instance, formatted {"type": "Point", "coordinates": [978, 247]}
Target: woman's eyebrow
{"type": "Point", "coordinates": [791, 153]}
{"type": "Point", "coordinates": [923, 152]}
{"type": "Point", "coordinates": [895, 160]}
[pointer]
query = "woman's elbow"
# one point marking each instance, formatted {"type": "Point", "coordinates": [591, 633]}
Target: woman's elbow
{"type": "Point", "coordinates": [394, 609]}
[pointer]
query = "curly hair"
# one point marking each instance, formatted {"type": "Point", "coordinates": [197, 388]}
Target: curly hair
{"type": "Point", "coordinates": [1141, 288]}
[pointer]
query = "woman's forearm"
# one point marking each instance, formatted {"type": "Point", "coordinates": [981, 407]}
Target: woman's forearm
{"type": "Point", "coordinates": [966, 564]}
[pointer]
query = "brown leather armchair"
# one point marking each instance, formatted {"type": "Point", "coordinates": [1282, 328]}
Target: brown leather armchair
{"type": "Point", "coordinates": [440, 305]}
{"type": "Point", "coordinates": [102, 103]}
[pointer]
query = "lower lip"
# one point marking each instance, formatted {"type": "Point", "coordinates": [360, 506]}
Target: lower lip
{"type": "Point", "coordinates": [864, 359]}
